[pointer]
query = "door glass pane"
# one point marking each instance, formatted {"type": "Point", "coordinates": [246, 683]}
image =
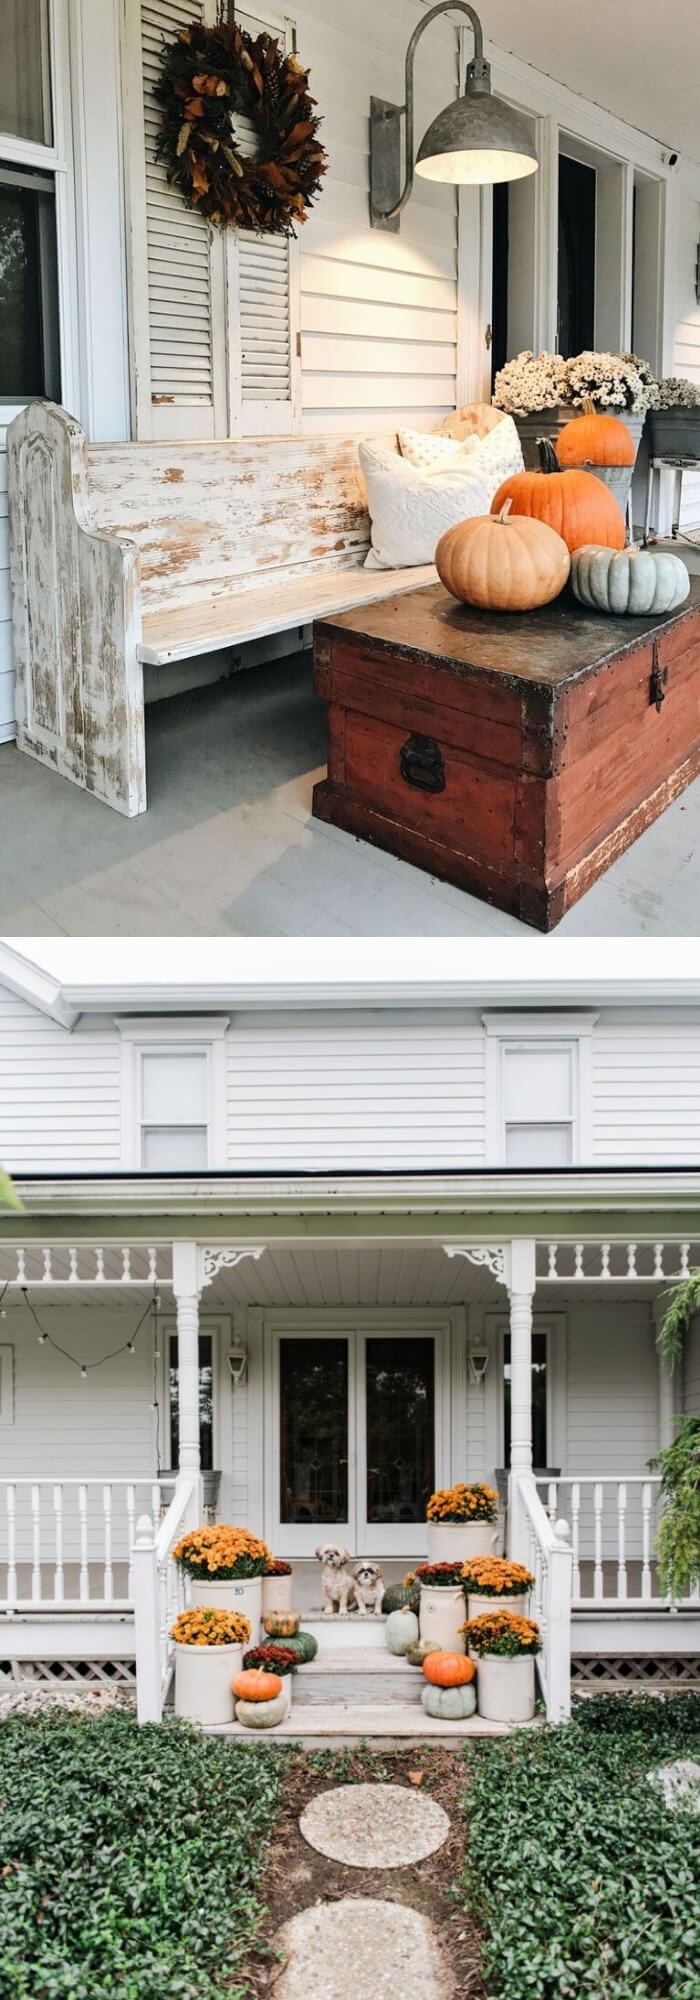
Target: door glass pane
{"type": "Point", "coordinates": [400, 1428]}
{"type": "Point", "coordinates": [577, 250]}
{"type": "Point", "coordinates": [28, 288]}
{"type": "Point", "coordinates": [25, 97]}
{"type": "Point", "coordinates": [539, 1400]}
{"type": "Point", "coordinates": [314, 1431]}
{"type": "Point", "coordinates": [206, 1401]}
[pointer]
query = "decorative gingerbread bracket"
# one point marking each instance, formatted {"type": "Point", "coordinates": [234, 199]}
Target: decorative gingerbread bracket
{"type": "Point", "coordinates": [490, 1255]}
{"type": "Point", "coordinates": [214, 1261]}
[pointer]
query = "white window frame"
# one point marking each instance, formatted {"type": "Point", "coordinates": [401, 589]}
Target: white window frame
{"type": "Point", "coordinates": [56, 160]}
{"type": "Point", "coordinates": [571, 1032]}
{"type": "Point", "coordinates": [204, 1036]}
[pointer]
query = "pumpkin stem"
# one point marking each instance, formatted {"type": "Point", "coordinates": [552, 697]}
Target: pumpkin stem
{"type": "Point", "coordinates": [504, 511]}
{"type": "Point", "coordinates": [547, 456]}
{"type": "Point", "coordinates": [589, 406]}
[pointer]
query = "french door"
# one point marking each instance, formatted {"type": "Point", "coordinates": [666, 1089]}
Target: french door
{"type": "Point", "coordinates": [356, 1438]}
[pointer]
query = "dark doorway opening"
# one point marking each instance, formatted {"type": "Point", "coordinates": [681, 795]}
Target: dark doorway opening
{"type": "Point", "coordinates": [499, 298]}
{"type": "Point", "coordinates": [576, 289]}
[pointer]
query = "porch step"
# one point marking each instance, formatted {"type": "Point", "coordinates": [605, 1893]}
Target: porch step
{"type": "Point", "coordinates": [342, 1635]}
{"type": "Point", "coordinates": [358, 1675]}
{"type": "Point", "coordinates": [345, 1720]}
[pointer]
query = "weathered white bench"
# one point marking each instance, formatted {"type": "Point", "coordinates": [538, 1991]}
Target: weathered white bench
{"type": "Point", "coordinates": [125, 554]}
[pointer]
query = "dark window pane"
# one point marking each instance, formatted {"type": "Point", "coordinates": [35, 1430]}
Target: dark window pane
{"type": "Point", "coordinates": [539, 1400]}
{"type": "Point", "coordinates": [400, 1428]}
{"type": "Point", "coordinates": [28, 291]}
{"type": "Point", "coordinates": [25, 97]}
{"type": "Point", "coordinates": [206, 1402]}
{"type": "Point", "coordinates": [314, 1431]}
{"type": "Point", "coordinates": [577, 225]}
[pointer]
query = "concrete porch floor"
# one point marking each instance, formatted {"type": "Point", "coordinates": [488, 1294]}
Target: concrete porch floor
{"type": "Point", "coordinates": [229, 847]}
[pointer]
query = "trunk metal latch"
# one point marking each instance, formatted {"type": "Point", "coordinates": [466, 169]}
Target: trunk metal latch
{"type": "Point", "coordinates": [421, 763]}
{"type": "Point", "coordinates": [659, 680]}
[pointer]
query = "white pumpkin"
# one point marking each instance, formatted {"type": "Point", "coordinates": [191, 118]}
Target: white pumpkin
{"type": "Point", "coordinates": [639, 583]}
{"type": "Point", "coordinates": [402, 1630]}
{"type": "Point", "coordinates": [262, 1714]}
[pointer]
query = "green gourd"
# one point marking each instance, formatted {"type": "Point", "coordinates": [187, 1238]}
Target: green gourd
{"type": "Point", "coordinates": [304, 1645]}
{"type": "Point", "coordinates": [449, 1704]}
{"type": "Point", "coordinates": [402, 1630]}
{"type": "Point", "coordinates": [262, 1714]}
{"type": "Point", "coordinates": [639, 583]}
{"type": "Point", "coordinates": [399, 1594]}
{"type": "Point", "coordinates": [417, 1654]}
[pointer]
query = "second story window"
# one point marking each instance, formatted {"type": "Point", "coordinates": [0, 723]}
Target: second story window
{"type": "Point", "coordinates": [174, 1120]}
{"type": "Point", "coordinates": [173, 1111]}
{"type": "Point", "coordinates": [538, 1089]}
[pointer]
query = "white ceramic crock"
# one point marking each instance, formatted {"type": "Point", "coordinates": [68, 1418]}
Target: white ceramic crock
{"type": "Point", "coordinates": [233, 1594]}
{"type": "Point", "coordinates": [442, 1611]}
{"type": "Point", "coordinates": [203, 1682]}
{"type": "Point", "coordinates": [506, 1688]}
{"type": "Point", "coordinates": [457, 1541]}
{"type": "Point", "coordinates": [277, 1593]}
{"type": "Point", "coordinates": [478, 1604]}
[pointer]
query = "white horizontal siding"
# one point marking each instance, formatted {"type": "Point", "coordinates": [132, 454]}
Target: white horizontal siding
{"type": "Point", "coordinates": [7, 682]}
{"type": "Point", "coordinates": [378, 312]}
{"type": "Point", "coordinates": [369, 1091]}
{"type": "Point", "coordinates": [612, 1412]}
{"type": "Point", "coordinates": [646, 1095]}
{"type": "Point", "coordinates": [59, 1093]}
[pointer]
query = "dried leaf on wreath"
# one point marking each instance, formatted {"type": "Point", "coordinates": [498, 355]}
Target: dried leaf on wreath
{"type": "Point", "coordinates": [200, 177]}
{"type": "Point", "coordinates": [182, 138]}
{"type": "Point", "coordinates": [195, 107]}
{"type": "Point", "coordinates": [233, 162]}
{"type": "Point", "coordinates": [301, 131]}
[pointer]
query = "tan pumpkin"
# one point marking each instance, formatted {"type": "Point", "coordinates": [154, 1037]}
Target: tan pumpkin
{"type": "Point", "coordinates": [595, 439]}
{"type": "Point", "coordinates": [503, 562]}
{"type": "Point", "coordinates": [576, 504]}
{"type": "Point", "coordinates": [255, 1685]}
{"type": "Point", "coordinates": [448, 1670]}
{"type": "Point", "coordinates": [281, 1624]}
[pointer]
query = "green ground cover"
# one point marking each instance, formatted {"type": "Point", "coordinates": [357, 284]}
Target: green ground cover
{"type": "Point", "coordinates": [585, 1885]}
{"type": "Point", "coordinates": [129, 1859]}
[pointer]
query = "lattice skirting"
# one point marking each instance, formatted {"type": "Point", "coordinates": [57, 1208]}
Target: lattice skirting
{"type": "Point", "coordinates": [616, 1670]}
{"type": "Point", "coordinates": [102, 1673]}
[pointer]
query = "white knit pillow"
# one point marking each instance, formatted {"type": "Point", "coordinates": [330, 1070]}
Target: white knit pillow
{"type": "Point", "coordinates": [432, 452]}
{"type": "Point", "coordinates": [499, 454]}
{"type": "Point", "coordinates": [410, 509]}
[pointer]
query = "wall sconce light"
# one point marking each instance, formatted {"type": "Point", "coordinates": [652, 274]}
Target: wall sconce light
{"type": "Point", "coordinates": [237, 1358]}
{"type": "Point", "coordinates": [478, 1364]}
{"type": "Point", "coordinates": [477, 139]}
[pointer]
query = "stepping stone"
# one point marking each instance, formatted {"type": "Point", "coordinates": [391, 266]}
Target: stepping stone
{"type": "Point", "coordinates": [361, 1949]}
{"type": "Point", "coordinates": [680, 1784]}
{"type": "Point", "coordinates": [374, 1826]}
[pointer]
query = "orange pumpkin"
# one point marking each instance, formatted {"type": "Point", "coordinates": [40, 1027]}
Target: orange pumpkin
{"type": "Point", "coordinates": [255, 1685]}
{"type": "Point", "coordinates": [576, 504]}
{"type": "Point", "coordinates": [595, 440]}
{"type": "Point", "coordinates": [481, 565]}
{"type": "Point", "coordinates": [448, 1670]}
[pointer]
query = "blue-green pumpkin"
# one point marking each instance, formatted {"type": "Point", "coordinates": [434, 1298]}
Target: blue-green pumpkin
{"type": "Point", "coordinates": [402, 1630]}
{"type": "Point", "coordinates": [635, 583]}
{"type": "Point", "coordinates": [449, 1704]}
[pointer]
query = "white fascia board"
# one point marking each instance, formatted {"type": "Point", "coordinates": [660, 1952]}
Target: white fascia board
{"type": "Point", "coordinates": [487, 1194]}
{"type": "Point", "coordinates": [281, 996]}
{"type": "Point", "coordinates": [40, 989]}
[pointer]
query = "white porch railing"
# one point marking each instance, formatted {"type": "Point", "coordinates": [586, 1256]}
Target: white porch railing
{"type": "Point", "coordinates": [613, 1523]}
{"type": "Point", "coordinates": [532, 1540]}
{"type": "Point", "coordinates": [67, 1543]}
{"type": "Point", "coordinates": [159, 1594]}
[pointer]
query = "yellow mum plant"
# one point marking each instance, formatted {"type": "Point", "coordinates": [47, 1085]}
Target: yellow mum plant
{"type": "Point", "coordinates": [464, 1503]}
{"type": "Point", "coordinates": [221, 1553]}
{"type": "Point", "coordinates": [494, 1576]}
{"type": "Point", "coordinates": [207, 1627]}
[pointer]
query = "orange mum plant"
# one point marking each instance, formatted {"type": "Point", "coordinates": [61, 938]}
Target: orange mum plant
{"type": "Point", "coordinates": [221, 1553]}
{"type": "Point", "coordinates": [206, 1627]}
{"type": "Point", "coordinates": [493, 1576]}
{"type": "Point", "coordinates": [464, 1503]}
{"type": "Point", "coordinates": [503, 1633]}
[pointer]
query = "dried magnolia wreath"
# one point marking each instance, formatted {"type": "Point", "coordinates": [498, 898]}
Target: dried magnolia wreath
{"type": "Point", "coordinates": [209, 76]}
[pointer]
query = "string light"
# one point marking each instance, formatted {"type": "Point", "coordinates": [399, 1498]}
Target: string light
{"type": "Point", "coordinates": [84, 1367]}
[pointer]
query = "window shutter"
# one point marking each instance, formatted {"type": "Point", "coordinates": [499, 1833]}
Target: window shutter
{"type": "Point", "coordinates": [262, 279]}
{"type": "Point", "coordinates": [177, 259]}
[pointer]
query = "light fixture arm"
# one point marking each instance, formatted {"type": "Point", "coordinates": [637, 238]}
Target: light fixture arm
{"type": "Point", "coordinates": [479, 75]}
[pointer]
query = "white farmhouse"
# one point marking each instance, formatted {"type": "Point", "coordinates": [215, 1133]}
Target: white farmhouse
{"type": "Point", "coordinates": [301, 1255]}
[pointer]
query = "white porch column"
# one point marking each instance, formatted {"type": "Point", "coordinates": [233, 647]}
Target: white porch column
{"type": "Point", "coordinates": [520, 1266]}
{"type": "Point", "coordinates": [187, 1285]}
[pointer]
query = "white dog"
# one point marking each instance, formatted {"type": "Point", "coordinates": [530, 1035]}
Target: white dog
{"type": "Point", "coordinates": [343, 1591]}
{"type": "Point", "coordinates": [369, 1587]}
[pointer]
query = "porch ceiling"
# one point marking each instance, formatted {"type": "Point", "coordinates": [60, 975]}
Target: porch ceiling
{"type": "Point", "coordinates": [618, 56]}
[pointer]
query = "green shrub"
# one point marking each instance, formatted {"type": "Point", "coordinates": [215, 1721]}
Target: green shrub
{"type": "Point", "coordinates": [584, 1883]}
{"type": "Point", "coordinates": [656, 1716]}
{"type": "Point", "coordinates": [128, 1858]}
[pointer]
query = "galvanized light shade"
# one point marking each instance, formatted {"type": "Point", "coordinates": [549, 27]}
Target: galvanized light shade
{"type": "Point", "coordinates": [477, 139]}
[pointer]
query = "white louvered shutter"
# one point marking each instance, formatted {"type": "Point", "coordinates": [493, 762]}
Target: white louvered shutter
{"type": "Point", "coordinates": [261, 286]}
{"type": "Point", "coordinates": [178, 275]}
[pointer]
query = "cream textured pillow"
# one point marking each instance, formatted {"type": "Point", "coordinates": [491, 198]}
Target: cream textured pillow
{"type": "Point", "coordinates": [410, 509]}
{"type": "Point", "coordinates": [431, 452]}
{"type": "Point", "coordinates": [498, 455]}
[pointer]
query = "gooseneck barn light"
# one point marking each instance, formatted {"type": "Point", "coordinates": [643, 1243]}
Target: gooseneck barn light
{"type": "Point", "coordinates": [477, 139]}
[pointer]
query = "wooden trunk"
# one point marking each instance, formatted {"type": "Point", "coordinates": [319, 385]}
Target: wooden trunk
{"type": "Point", "coordinates": [516, 756]}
